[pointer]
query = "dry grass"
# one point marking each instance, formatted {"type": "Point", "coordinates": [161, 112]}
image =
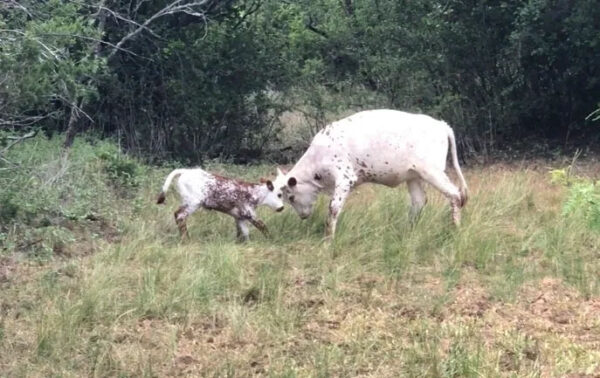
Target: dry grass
{"type": "Point", "coordinates": [513, 292]}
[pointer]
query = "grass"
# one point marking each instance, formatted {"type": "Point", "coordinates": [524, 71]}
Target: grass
{"type": "Point", "coordinates": [514, 292]}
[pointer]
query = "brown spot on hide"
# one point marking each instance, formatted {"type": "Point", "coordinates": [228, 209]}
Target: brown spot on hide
{"type": "Point", "coordinates": [235, 181]}
{"type": "Point", "coordinates": [227, 196]}
{"type": "Point", "coordinates": [362, 164]}
{"type": "Point", "coordinates": [161, 198]}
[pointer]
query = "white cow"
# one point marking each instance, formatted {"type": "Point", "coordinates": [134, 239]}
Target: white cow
{"type": "Point", "coordinates": [380, 146]}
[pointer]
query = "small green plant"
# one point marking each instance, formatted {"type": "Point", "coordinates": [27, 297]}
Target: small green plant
{"type": "Point", "coordinates": [8, 209]}
{"type": "Point", "coordinates": [584, 199]}
{"type": "Point", "coordinates": [119, 167]}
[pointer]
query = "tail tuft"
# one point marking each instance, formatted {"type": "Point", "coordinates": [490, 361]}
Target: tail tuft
{"type": "Point", "coordinates": [464, 196]}
{"type": "Point", "coordinates": [161, 198]}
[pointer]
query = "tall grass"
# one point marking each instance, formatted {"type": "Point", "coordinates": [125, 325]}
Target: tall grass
{"type": "Point", "coordinates": [383, 299]}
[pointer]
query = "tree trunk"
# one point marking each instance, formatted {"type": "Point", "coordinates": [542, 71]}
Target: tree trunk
{"type": "Point", "coordinates": [72, 125]}
{"type": "Point", "coordinates": [78, 105]}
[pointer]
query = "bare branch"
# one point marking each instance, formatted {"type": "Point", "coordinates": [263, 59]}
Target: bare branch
{"type": "Point", "coordinates": [77, 109]}
{"type": "Point", "coordinates": [310, 25]}
{"type": "Point", "coordinates": [95, 40]}
{"type": "Point", "coordinates": [138, 5]}
{"type": "Point", "coordinates": [129, 21]}
{"type": "Point", "coordinates": [193, 8]}
{"type": "Point", "coordinates": [15, 4]}
{"type": "Point", "coordinates": [23, 121]}
{"type": "Point", "coordinates": [16, 140]}
{"type": "Point", "coordinates": [54, 54]}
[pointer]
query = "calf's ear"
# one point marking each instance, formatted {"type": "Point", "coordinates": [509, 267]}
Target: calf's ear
{"type": "Point", "coordinates": [281, 171]}
{"type": "Point", "coordinates": [270, 185]}
{"type": "Point", "coordinates": [292, 182]}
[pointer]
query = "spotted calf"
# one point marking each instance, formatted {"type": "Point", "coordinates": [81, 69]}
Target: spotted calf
{"type": "Point", "coordinates": [198, 188]}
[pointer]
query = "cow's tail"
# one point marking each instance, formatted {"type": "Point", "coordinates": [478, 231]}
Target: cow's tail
{"type": "Point", "coordinates": [464, 191]}
{"type": "Point", "coordinates": [170, 177]}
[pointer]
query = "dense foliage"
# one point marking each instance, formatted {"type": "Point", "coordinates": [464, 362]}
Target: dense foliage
{"type": "Point", "coordinates": [196, 79]}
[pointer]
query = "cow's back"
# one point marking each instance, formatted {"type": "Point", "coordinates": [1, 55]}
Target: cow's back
{"type": "Point", "coordinates": [389, 140]}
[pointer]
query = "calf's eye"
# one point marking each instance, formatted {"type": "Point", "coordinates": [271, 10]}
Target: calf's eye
{"type": "Point", "coordinates": [279, 195]}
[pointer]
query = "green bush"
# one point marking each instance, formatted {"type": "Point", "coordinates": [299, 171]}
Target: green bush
{"type": "Point", "coordinates": [120, 168]}
{"type": "Point", "coordinates": [583, 197]}
{"type": "Point", "coordinates": [51, 198]}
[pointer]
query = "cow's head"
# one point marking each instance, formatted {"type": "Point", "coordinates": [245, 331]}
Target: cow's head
{"type": "Point", "coordinates": [301, 194]}
{"type": "Point", "coordinates": [274, 195]}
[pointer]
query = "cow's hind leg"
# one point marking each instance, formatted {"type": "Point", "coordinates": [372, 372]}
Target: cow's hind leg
{"type": "Point", "coordinates": [441, 182]}
{"type": "Point", "coordinates": [418, 199]}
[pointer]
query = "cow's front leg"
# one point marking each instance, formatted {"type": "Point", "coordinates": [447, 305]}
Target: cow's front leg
{"type": "Point", "coordinates": [335, 207]}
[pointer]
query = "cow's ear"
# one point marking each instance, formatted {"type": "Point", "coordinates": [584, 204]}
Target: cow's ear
{"type": "Point", "coordinates": [270, 185]}
{"type": "Point", "coordinates": [317, 176]}
{"type": "Point", "coordinates": [292, 182]}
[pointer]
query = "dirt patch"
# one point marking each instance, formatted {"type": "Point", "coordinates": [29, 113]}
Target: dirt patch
{"type": "Point", "coordinates": [551, 306]}
{"type": "Point", "coordinates": [469, 301]}
{"type": "Point", "coordinates": [8, 265]}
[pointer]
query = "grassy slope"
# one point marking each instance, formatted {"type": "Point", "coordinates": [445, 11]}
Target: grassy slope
{"type": "Point", "coordinates": [514, 292]}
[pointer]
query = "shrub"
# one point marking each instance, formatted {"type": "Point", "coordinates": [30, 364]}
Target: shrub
{"type": "Point", "coordinates": [583, 197]}
{"type": "Point", "coordinates": [120, 168]}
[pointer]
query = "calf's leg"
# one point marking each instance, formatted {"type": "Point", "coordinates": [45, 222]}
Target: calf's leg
{"type": "Point", "coordinates": [242, 229]}
{"type": "Point", "coordinates": [260, 225]}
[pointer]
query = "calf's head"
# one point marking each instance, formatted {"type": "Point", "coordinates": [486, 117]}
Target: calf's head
{"type": "Point", "coordinates": [273, 197]}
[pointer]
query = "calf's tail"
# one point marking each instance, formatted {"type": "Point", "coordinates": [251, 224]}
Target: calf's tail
{"type": "Point", "coordinates": [170, 177]}
{"type": "Point", "coordinates": [464, 191]}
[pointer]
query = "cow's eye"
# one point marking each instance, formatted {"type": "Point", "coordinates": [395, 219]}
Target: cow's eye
{"type": "Point", "coordinates": [292, 198]}
{"type": "Point", "coordinates": [279, 195]}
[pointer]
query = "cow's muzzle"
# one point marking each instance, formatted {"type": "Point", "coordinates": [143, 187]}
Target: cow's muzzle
{"type": "Point", "coordinates": [280, 209]}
